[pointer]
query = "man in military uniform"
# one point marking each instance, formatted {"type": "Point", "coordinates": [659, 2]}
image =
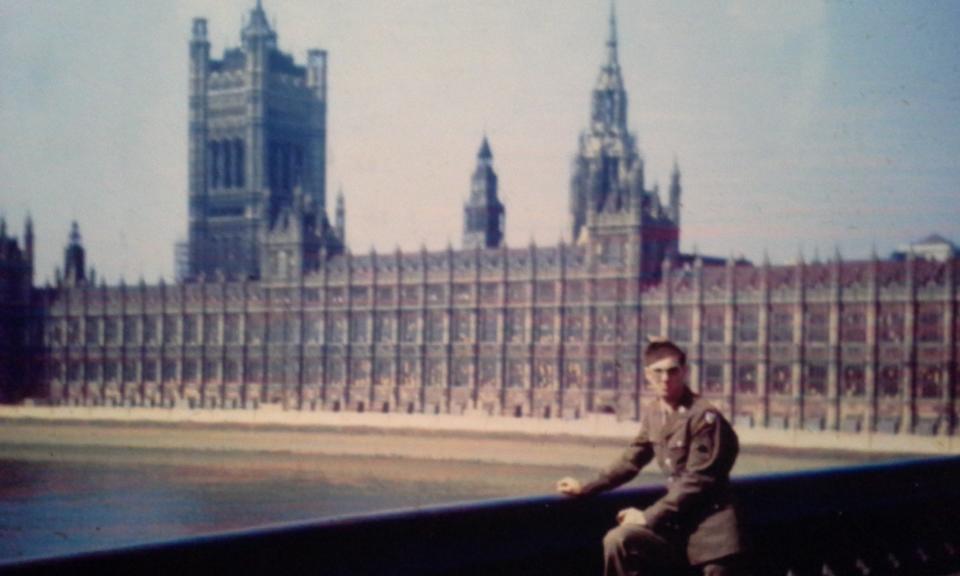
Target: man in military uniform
{"type": "Point", "coordinates": [695, 523]}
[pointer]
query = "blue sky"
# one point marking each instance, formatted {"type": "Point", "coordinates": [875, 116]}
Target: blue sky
{"type": "Point", "coordinates": [798, 126]}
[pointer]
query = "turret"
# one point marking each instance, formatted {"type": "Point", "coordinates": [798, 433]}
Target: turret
{"type": "Point", "coordinates": [257, 33]}
{"type": "Point", "coordinates": [28, 238]}
{"type": "Point", "coordinates": [675, 190]}
{"type": "Point", "coordinates": [317, 72]}
{"type": "Point", "coordinates": [199, 37]}
{"type": "Point", "coordinates": [74, 257]}
{"type": "Point", "coordinates": [28, 247]}
{"type": "Point", "coordinates": [340, 225]}
{"type": "Point", "coordinates": [258, 39]}
{"type": "Point", "coordinates": [317, 66]}
{"type": "Point", "coordinates": [484, 215]}
{"type": "Point", "coordinates": [197, 147]}
{"type": "Point", "coordinates": [199, 66]}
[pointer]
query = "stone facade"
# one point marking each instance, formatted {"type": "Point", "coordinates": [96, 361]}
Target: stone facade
{"type": "Point", "coordinates": [546, 332]}
{"type": "Point", "coordinates": [16, 288]}
{"type": "Point", "coordinates": [258, 124]}
{"type": "Point", "coordinates": [543, 332]}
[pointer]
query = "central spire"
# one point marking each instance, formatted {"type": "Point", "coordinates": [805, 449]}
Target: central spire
{"type": "Point", "coordinates": [608, 175]}
{"type": "Point", "coordinates": [485, 153]}
{"type": "Point", "coordinates": [612, 39]}
{"type": "Point", "coordinates": [609, 113]}
{"type": "Point", "coordinates": [258, 27]}
{"type": "Point", "coordinates": [258, 17]}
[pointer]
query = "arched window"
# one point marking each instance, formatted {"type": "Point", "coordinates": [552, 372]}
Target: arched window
{"type": "Point", "coordinates": [285, 162]}
{"type": "Point", "coordinates": [223, 165]}
{"type": "Point", "coordinates": [238, 163]}
{"type": "Point", "coordinates": [228, 162]}
{"type": "Point", "coordinates": [214, 163]}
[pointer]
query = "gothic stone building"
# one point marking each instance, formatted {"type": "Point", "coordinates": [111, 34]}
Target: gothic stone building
{"type": "Point", "coordinates": [257, 149]}
{"type": "Point", "coordinates": [16, 293]}
{"type": "Point", "coordinates": [291, 318]}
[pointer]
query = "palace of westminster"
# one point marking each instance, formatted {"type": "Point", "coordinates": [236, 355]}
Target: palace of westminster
{"type": "Point", "coordinates": [271, 307]}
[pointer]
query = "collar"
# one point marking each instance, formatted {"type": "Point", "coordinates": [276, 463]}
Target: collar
{"type": "Point", "coordinates": [686, 401]}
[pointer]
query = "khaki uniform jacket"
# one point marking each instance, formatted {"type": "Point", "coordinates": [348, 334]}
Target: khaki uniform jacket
{"type": "Point", "coordinates": [697, 448]}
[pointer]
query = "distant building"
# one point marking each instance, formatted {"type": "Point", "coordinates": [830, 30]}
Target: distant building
{"type": "Point", "coordinates": [609, 203]}
{"type": "Point", "coordinates": [484, 219]}
{"type": "Point", "coordinates": [258, 137]}
{"type": "Point", "coordinates": [276, 310]}
{"type": "Point", "coordinates": [933, 247]}
{"type": "Point", "coordinates": [16, 291]}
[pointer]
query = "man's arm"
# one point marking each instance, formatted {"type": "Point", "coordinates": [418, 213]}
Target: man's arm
{"type": "Point", "coordinates": [711, 453]}
{"type": "Point", "coordinates": [624, 469]}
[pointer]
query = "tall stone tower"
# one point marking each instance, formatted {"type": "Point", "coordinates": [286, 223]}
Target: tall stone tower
{"type": "Point", "coordinates": [609, 204]}
{"type": "Point", "coordinates": [16, 288]}
{"type": "Point", "coordinates": [257, 132]}
{"type": "Point", "coordinates": [74, 259]}
{"type": "Point", "coordinates": [483, 218]}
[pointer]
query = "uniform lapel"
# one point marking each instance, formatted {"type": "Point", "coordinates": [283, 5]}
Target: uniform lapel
{"type": "Point", "coordinates": [673, 421]}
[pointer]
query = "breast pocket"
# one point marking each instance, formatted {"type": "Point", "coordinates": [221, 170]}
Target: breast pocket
{"type": "Point", "coordinates": [701, 452]}
{"type": "Point", "coordinates": [676, 452]}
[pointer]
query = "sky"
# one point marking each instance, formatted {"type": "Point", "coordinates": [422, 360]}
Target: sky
{"type": "Point", "coordinates": [800, 128]}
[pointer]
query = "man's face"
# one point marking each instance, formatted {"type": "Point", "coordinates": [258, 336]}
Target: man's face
{"type": "Point", "coordinates": [666, 378]}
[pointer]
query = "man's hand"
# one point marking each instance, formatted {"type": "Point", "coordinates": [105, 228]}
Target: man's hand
{"type": "Point", "coordinates": [569, 486]}
{"type": "Point", "coordinates": [631, 516]}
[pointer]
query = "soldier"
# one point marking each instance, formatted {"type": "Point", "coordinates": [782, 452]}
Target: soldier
{"type": "Point", "coordinates": [695, 523]}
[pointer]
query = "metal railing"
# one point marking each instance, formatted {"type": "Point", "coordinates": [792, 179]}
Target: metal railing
{"type": "Point", "coordinates": [901, 518]}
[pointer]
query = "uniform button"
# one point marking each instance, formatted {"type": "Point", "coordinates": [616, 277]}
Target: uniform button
{"type": "Point", "coordinates": [668, 462]}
